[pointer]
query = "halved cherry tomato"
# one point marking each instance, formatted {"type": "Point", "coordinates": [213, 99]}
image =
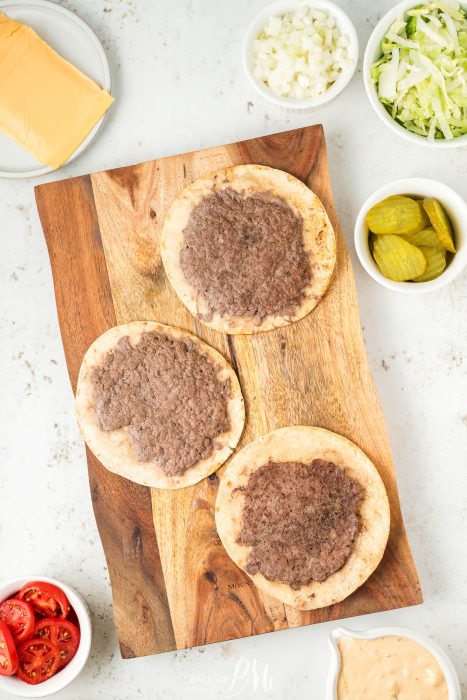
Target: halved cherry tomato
{"type": "Point", "coordinates": [38, 660]}
{"type": "Point", "coordinates": [63, 633]}
{"type": "Point", "coordinates": [8, 655]}
{"type": "Point", "coordinates": [46, 599]}
{"type": "Point", "coordinates": [73, 617]}
{"type": "Point", "coordinates": [19, 616]}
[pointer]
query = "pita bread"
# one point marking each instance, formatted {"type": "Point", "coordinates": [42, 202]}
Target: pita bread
{"type": "Point", "coordinates": [304, 444]}
{"type": "Point", "coordinates": [113, 448]}
{"type": "Point", "coordinates": [318, 240]}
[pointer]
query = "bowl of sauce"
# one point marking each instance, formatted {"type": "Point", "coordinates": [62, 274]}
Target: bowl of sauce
{"type": "Point", "coordinates": [389, 663]}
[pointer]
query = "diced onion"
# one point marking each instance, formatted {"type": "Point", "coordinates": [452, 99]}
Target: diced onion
{"type": "Point", "coordinates": [299, 55]}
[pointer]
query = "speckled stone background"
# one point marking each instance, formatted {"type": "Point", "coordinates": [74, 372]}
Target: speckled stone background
{"type": "Point", "coordinates": [179, 86]}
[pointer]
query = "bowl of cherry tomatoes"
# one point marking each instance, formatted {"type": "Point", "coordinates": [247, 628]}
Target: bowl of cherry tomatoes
{"type": "Point", "coordinates": [45, 636]}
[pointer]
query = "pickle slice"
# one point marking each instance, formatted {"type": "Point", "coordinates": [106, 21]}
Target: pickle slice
{"type": "Point", "coordinates": [425, 217]}
{"type": "Point", "coordinates": [436, 262]}
{"type": "Point", "coordinates": [397, 214]}
{"type": "Point", "coordinates": [398, 259]}
{"type": "Point", "coordinates": [440, 222]}
{"type": "Point", "coordinates": [428, 238]}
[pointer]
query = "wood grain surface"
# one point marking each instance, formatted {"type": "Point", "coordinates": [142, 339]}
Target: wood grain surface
{"type": "Point", "coordinates": [169, 573]}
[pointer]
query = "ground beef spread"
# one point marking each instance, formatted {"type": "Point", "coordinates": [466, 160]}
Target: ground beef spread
{"type": "Point", "coordinates": [169, 396]}
{"type": "Point", "coordinates": [301, 521]}
{"type": "Point", "coordinates": [245, 255]}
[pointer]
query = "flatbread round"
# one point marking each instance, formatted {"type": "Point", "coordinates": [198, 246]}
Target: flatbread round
{"type": "Point", "coordinates": [318, 239]}
{"type": "Point", "coordinates": [304, 444]}
{"type": "Point", "coordinates": [113, 448]}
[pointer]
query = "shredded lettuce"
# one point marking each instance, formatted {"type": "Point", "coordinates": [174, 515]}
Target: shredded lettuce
{"type": "Point", "coordinates": [421, 76]}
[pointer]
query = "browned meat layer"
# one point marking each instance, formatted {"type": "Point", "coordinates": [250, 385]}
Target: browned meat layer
{"type": "Point", "coordinates": [245, 255]}
{"type": "Point", "coordinates": [168, 394]}
{"type": "Point", "coordinates": [301, 520]}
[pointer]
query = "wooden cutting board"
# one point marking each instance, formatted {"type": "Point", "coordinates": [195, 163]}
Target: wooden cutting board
{"type": "Point", "coordinates": [173, 584]}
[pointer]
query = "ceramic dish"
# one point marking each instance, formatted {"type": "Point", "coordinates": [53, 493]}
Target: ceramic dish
{"type": "Point", "coordinates": [372, 54]}
{"type": "Point", "coordinates": [456, 208]}
{"type": "Point", "coordinates": [15, 686]}
{"type": "Point", "coordinates": [445, 664]}
{"type": "Point", "coordinates": [75, 41]}
{"type": "Point", "coordinates": [279, 8]}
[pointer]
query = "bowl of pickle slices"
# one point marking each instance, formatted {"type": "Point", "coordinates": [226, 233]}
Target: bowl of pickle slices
{"type": "Point", "coordinates": [411, 235]}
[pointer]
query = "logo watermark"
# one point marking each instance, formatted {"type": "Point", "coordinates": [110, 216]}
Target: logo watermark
{"type": "Point", "coordinates": [247, 679]}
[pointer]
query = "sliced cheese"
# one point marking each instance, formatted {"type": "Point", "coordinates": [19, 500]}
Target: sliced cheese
{"type": "Point", "coordinates": [46, 104]}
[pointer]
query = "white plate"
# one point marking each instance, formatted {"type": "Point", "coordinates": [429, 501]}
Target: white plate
{"type": "Point", "coordinates": [75, 41]}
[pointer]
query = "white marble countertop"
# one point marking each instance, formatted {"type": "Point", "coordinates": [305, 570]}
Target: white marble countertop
{"type": "Point", "coordinates": [180, 86]}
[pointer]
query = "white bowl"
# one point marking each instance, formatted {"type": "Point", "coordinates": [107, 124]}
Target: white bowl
{"type": "Point", "coordinates": [372, 54]}
{"type": "Point", "coordinates": [12, 684]}
{"type": "Point", "coordinates": [456, 209]}
{"type": "Point", "coordinates": [446, 666]}
{"type": "Point", "coordinates": [281, 7]}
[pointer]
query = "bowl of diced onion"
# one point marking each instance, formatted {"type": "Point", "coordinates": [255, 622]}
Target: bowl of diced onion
{"type": "Point", "coordinates": [414, 71]}
{"type": "Point", "coordinates": [300, 54]}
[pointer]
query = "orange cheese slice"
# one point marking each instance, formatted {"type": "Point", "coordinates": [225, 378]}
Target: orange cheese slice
{"type": "Point", "coordinates": [46, 104]}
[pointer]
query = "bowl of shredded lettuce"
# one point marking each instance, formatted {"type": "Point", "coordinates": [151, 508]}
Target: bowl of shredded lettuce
{"type": "Point", "coordinates": [415, 72]}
